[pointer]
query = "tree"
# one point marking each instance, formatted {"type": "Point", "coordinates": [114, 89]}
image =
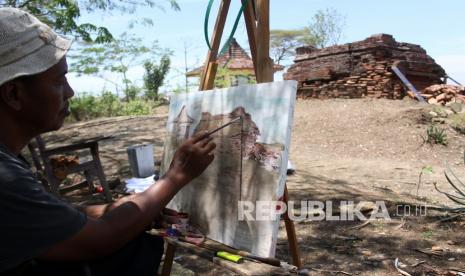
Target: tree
{"type": "Point", "coordinates": [284, 42]}
{"type": "Point", "coordinates": [154, 76]}
{"type": "Point", "coordinates": [117, 57]}
{"type": "Point", "coordinates": [62, 15]}
{"type": "Point", "coordinates": [325, 29]}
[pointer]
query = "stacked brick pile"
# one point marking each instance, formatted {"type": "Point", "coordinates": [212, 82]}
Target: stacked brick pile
{"type": "Point", "coordinates": [441, 94]}
{"type": "Point", "coordinates": [362, 69]}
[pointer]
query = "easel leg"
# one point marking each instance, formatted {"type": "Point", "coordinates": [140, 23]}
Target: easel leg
{"type": "Point", "coordinates": [168, 261]}
{"type": "Point", "coordinates": [209, 72]}
{"type": "Point", "coordinates": [291, 236]}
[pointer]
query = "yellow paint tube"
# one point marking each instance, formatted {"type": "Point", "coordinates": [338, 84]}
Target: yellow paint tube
{"type": "Point", "coordinates": [230, 257]}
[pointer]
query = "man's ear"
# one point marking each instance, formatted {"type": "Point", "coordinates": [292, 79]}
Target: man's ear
{"type": "Point", "coordinates": [10, 95]}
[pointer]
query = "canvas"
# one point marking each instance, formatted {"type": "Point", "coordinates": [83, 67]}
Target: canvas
{"type": "Point", "coordinates": [250, 159]}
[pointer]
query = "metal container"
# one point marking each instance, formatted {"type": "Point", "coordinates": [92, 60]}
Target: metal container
{"type": "Point", "coordinates": [141, 160]}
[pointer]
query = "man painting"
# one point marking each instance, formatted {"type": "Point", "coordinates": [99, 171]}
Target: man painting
{"type": "Point", "coordinates": [39, 233]}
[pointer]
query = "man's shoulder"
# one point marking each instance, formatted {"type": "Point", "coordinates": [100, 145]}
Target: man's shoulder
{"type": "Point", "coordinates": [11, 167]}
{"type": "Point", "coordinates": [30, 214]}
{"type": "Point", "coordinates": [7, 158]}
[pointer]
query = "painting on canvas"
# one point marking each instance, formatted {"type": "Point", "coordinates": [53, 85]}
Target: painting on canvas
{"type": "Point", "coordinates": [250, 159]}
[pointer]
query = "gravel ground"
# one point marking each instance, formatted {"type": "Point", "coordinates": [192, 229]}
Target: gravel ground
{"type": "Point", "coordinates": [360, 149]}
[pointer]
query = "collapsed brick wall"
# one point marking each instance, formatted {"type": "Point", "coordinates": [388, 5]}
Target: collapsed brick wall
{"type": "Point", "coordinates": [362, 69]}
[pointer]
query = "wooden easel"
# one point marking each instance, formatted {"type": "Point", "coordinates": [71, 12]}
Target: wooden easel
{"type": "Point", "coordinates": [257, 20]}
{"type": "Point", "coordinates": [256, 15]}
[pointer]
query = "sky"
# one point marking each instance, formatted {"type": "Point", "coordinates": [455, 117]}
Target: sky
{"type": "Point", "coordinates": [437, 26]}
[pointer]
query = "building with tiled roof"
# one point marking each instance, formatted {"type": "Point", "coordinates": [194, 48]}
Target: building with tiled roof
{"type": "Point", "coordinates": [235, 67]}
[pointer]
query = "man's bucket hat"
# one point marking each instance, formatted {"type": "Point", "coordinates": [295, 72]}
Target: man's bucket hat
{"type": "Point", "coordinates": [27, 46]}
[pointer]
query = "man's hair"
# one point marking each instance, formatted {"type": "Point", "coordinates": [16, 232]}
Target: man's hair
{"type": "Point", "coordinates": [26, 79]}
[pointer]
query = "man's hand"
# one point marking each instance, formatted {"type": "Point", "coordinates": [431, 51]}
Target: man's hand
{"type": "Point", "coordinates": [111, 230]}
{"type": "Point", "coordinates": [191, 159]}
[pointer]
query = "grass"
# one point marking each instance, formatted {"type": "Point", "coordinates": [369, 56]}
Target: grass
{"type": "Point", "coordinates": [428, 234]}
{"type": "Point", "coordinates": [87, 107]}
{"type": "Point", "coordinates": [457, 121]}
{"type": "Point", "coordinates": [440, 111]}
{"type": "Point", "coordinates": [435, 135]}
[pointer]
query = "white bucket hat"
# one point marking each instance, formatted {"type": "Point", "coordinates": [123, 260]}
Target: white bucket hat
{"type": "Point", "coordinates": [27, 46]}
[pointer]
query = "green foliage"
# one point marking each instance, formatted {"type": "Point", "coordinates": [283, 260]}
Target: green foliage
{"type": "Point", "coordinates": [325, 29]}
{"type": "Point", "coordinates": [435, 135]}
{"type": "Point", "coordinates": [428, 234]}
{"type": "Point", "coordinates": [132, 92]}
{"type": "Point", "coordinates": [154, 76]}
{"type": "Point", "coordinates": [107, 105]}
{"type": "Point", "coordinates": [117, 57]}
{"type": "Point", "coordinates": [137, 107]}
{"type": "Point", "coordinates": [424, 169]}
{"type": "Point", "coordinates": [427, 169]}
{"type": "Point", "coordinates": [82, 108]}
{"type": "Point", "coordinates": [222, 78]}
{"type": "Point", "coordinates": [87, 107]}
{"type": "Point", "coordinates": [63, 15]}
{"type": "Point", "coordinates": [439, 110]}
{"type": "Point", "coordinates": [457, 121]}
{"type": "Point", "coordinates": [458, 195]}
{"type": "Point", "coordinates": [126, 6]}
{"type": "Point", "coordinates": [284, 42]}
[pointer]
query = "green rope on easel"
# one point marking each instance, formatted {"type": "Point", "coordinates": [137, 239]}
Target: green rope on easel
{"type": "Point", "coordinates": [236, 22]}
{"type": "Point", "coordinates": [205, 25]}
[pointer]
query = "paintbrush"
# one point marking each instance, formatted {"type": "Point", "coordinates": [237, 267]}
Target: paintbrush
{"type": "Point", "coordinates": [222, 126]}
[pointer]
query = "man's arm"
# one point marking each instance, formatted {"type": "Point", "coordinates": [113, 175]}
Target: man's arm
{"type": "Point", "coordinates": [98, 210]}
{"type": "Point", "coordinates": [115, 228]}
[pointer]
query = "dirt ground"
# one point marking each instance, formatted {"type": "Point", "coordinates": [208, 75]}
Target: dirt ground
{"type": "Point", "coordinates": [358, 149]}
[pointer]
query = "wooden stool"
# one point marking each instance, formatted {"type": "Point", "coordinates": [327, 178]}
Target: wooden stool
{"type": "Point", "coordinates": [91, 169]}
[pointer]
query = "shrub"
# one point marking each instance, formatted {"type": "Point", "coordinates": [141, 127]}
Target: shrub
{"type": "Point", "coordinates": [459, 188]}
{"type": "Point", "coordinates": [435, 135]}
{"type": "Point", "coordinates": [83, 107]}
{"type": "Point", "coordinates": [87, 107]}
{"type": "Point", "coordinates": [457, 121]}
{"type": "Point", "coordinates": [137, 107]}
{"type": "Point", "coordinates": [108, 105]}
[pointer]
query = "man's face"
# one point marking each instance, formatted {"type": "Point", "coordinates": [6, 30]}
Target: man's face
{"type": "Point", "coordinates": [46, 99]}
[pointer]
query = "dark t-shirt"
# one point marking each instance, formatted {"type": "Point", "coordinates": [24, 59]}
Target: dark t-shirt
{"type": "Point", "coordinates": [31, 219]}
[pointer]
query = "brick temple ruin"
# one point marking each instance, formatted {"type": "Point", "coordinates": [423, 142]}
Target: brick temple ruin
{"type": "Point", "coordinates": [363, 69]}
